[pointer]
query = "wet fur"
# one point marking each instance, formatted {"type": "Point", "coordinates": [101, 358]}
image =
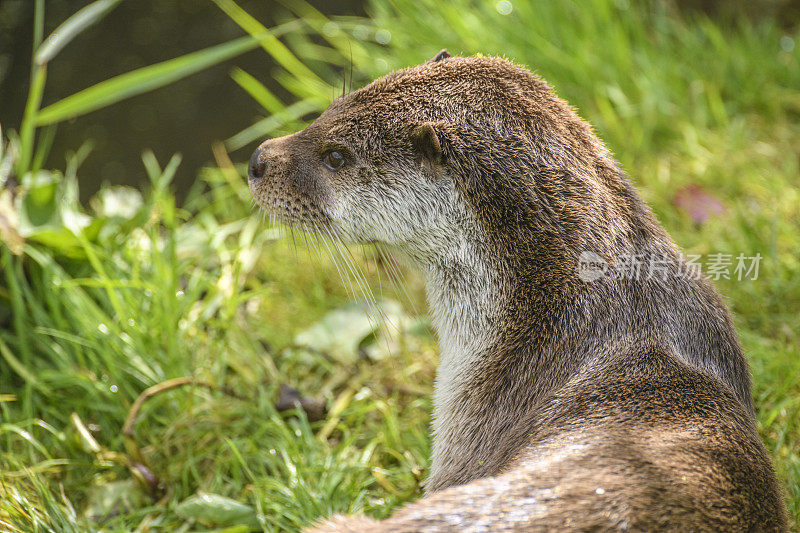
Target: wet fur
{"type": "Point", "coordinates": [615, 404]}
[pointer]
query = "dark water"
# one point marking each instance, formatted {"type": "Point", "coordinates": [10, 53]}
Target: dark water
{"type": "Point", "coordinates": [184, 117]}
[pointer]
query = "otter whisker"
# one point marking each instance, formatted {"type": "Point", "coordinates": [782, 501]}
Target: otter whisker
{"type": "Point", "coordinates": [294, 242]}
{"type": "Point", "coordinates": [350, 47]}
{"type": "Point", "coordinates": [358, 274]}
{"type": "Point", "coordinates": [314, 237]}
{"type": "Point", "coordinates": [381, 310]}
{"type": "Point", "coordinates": [397, 278]}
{"type": "Point", "coordinates": [345, 281]}
{"type": "Point", "coordinates": [305, 241]}
{"type": "Point", "coordinates": [377, 267]}
{"type": "Point", "coordinates": [360, 277]}
{"type": "Point", "coordinates": [339, 245]}
{"type": "Point", "coordinates": [366, 293]}
{"type": "Point", "coordinates": [305, 238]}
{"type": "Point", "coordinates": [310, 235]}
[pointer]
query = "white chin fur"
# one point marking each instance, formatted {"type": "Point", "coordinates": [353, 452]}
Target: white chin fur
{"type": "Point", "coordinates": [416, 214]}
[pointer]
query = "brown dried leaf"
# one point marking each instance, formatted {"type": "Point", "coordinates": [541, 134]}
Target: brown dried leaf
{"type": "Point", "coordinates": [289, 398]}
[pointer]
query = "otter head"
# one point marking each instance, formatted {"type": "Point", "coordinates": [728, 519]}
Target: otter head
{"type": "Point", "coordinates": [419, 156]}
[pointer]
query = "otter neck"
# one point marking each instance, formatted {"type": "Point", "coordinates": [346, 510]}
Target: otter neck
{"type": "Point", "coordinates": [496, 362]}
{"type": "Point", "coordinates": [463, 293]}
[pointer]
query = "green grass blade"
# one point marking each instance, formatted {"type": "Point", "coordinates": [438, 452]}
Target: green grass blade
{"type": "Point", "coordinates": [22, 371]}
{"type": "Point", "coordinates": [46, 137]}
{"type": "Point", "coordinates": [29, 118]}
{"type": "Point", "coordinates": [347, 47]}
{"type": "Point", "coordinates": [141, 80]}
{"type": "Point", "coordinates": [257, 90]}
{"type": "Point", "coordinates": [275, 48]}
{"type": "Point", "coordinates": [71, 28]}
{"type": "Point", "coordinates": [268, 125]}
{"type": "Point", "coordinates": [38, 24]}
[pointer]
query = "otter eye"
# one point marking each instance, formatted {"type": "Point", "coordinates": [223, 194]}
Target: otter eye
{"type": "Point", "coordinates": [333, 160]}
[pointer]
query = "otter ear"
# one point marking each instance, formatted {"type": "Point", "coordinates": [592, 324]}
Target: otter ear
{"type": "Point", "coordinates": [426, 142]}
{"type": "Point", "coordinates": [443, 54]}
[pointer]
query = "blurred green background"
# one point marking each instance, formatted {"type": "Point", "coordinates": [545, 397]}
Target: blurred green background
{"type": "Point", "coordinates": [167, 286]}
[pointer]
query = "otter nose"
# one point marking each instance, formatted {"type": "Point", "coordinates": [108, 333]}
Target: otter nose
{"type": "Point", "coordinates": [257, 167]}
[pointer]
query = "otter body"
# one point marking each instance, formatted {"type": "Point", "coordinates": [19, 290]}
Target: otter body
{"type": "Point", "coordinates": [608, 402]}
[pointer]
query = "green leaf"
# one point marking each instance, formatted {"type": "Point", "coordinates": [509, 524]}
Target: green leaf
{"type": "Point", "coordinates": [71, 28]}
{"type": "Point", "coordinates": [110, 498]}
{"type": "Point", "coordinates": [37, 205]}
{"type": "Point", "coordinates": [49, 213]}
{"type": "Point", "coordinates": [141, 80]}
{"type": "Point", "coordinates": [341, 332]}
{"type": "Point", "coordinates": [215, 510]}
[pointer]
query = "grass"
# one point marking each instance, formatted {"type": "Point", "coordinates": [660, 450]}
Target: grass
{"type": "Point", "coordinates": [95, 316]}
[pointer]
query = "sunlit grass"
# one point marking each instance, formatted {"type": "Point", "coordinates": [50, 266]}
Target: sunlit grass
{"type": "Point", "coordinates": [209, 291]}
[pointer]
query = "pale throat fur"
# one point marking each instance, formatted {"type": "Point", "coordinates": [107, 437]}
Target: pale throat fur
{"type": "Point", "coordinates": [433, 229]}
{"type": "Point", "coordinates": [463, 297]}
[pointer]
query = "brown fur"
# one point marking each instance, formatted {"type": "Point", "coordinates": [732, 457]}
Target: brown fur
{"type": "Point", "coordinates": [615, 404]}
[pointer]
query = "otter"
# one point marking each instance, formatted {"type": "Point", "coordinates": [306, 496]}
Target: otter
{"type": "Point", "coordinates": [562, 400]}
